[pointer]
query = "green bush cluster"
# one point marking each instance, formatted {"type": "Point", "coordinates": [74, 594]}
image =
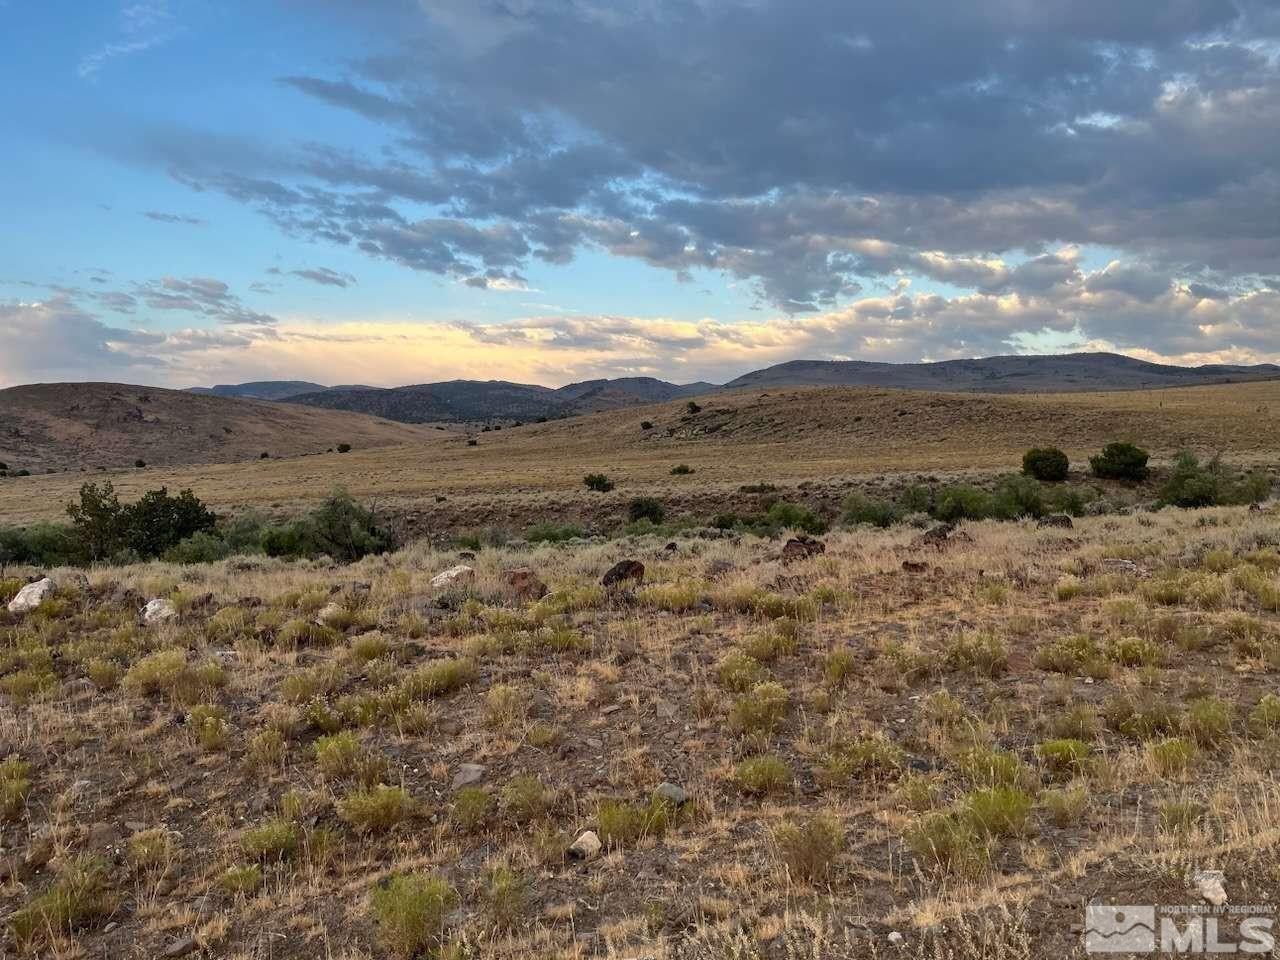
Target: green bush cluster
{"type": "Point", "coordinates": [181, 529]}
{"type": "Point", "coordinates": [1196, 484]}
{"type": "Point", "coordinates": [780, 515]}
{"type": "Point", "coordinates": [1047, 464]}
{"type": "Point", "coordinates": [1120, 461]}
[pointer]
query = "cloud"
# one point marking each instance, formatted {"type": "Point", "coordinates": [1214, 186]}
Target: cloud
{"type": "Point", "coordinates": [1087, 310]}
{"type": "Point", "coordinates": [162, 217]}
{"type": "Point", "coordinates": [326, 277]}
{"type": "Point", "coordinates": [143, 25]}
{"type": "Point", "coordinates": [805, 147]}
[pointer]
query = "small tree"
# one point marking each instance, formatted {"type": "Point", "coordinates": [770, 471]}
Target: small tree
{"type": "Point", "coordinates": [158, 521]}
{"type": "Point", "coordinates": [98, 520]}
{"type": "Point", "coordinates": [693, 407]}
{"type": "Point", "coordinates": [1047, 464]}
{"type": "Point", "coordinates": [644, 425]}
{"type": "Point", "coordinates": [598, 482]}
{"type": "Point", "coordinates": [681, 470]}
{"type": "Point", "coordinates": [646, 508]}
{"type": "Point", "coordinates": [1120, 461]}
{"type": "Point", "coordinates": [344, 448]}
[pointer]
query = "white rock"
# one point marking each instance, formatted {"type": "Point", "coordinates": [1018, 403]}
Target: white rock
{"type": "Point", "coordinates": [468, 773]}
{"type": "Point", "coordinates": [454, 576]}
{"type": "Point", "coordinates": [31, 596]}
{"type": "Point", "coordinates": [586, 846]}
{"type": "Point", "coordinates": [159, 610]}
{"type": "Point", "coordinates": [1208, 883]}
{"type": "Point", "coordinates": [895, 938]}
{"type": "Point", "coordinates": [330, 613]}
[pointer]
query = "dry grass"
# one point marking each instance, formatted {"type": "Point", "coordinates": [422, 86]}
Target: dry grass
{"type": "Point", "coordinates": [897, 758]}
{"type": "Point", "coordinates": [823, 435]}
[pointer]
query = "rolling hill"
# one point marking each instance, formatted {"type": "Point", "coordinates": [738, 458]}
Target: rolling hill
{"type": "Point", "coordinates": [1060, 373]}
{"type": "Point", "coordinates": [478, 401]}
{"type": "Point", "coordinates": [463, 401]}
{"type": "Point", "coordinates": [261, 389]}
{"type": "Point", "coordinates": [66, 426]}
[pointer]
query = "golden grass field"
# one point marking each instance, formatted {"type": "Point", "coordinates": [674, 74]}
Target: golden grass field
{"type": "Point", "coordinates": [942, 762]}
{"type": "Point", "coordinates": [820, 435]}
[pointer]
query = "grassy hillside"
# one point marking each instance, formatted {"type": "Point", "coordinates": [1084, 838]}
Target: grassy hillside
{"type": "Point", "coordinates": [803, 434]}
{"type": "Point", "coordinates": [72, 425]}
{"type": "Point", "coordinates": [840, 758]}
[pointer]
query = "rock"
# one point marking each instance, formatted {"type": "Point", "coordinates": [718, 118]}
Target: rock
{"type": "Point", "coordinates": [180, 948]}
{"type": "Point", "coordinates": [801, 548]}
{"type": "Point", "coordinates": [159, 610]}
{"type": "Point", "coordinates": [454, 576]}
{"type": "Point", "coordinates": [330, 614]}
{"type": "Point", "coordinates": [31, 596]}
{"type": "Point", "coordinates": [915, 566]}
{"type": "Point", "coordinates": [526, 584]}
{"type": "Point", "coordinates": [466, 555]}
{"type": "Point", "coordinates": [672, 793]}
{"type": "Point", "coordinates": [1255, 508]}
{"type": "Point", "coordinates": [103, 835]}
{"type": "Point", "coordinates": [718, 568]}
{"type": "Point", "coordinates": [468, 773]}
{"type": "Point", "coordinates": [1208, 884]}
{"type": "Point", "coordinates": [586, 846]}
{"type": "Point", "coordinates": [938, 534]}
{"type": "Point", "coordinates": [623, 572]}
{"type": "Point", "coordinates": [671, 547]}
{"type": "Point", "coordinates": [895, 937]}
{"type": "Point", "coordinates": [1122, 566]}
{"type": "Point", "coordinates": [1056, 520]}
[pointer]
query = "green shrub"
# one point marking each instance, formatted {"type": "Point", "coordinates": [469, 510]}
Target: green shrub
{"type": "Point", "coordinates": [410, 912]}
{"type": "Point", "coordinates": [1171, 756]}
{"type": "Point", "coordinates": [962, 502]}
{"type": "Point", "coordinates": [809, 848]}
{"type": "Point", "coordinates": [81, 893]}
{"type": "Point", "coordinates": [1264, 719]}
{"type": "Point", "coordinates": [1120, 461]}
{"type": "Point", "coordinates": [763, 774]}
{"type": "Point", "coordinates": [645, 508]}
{"type": "Point", "coordinates": [344, 448]}
{"type": "Point", "coordinates": [339, 528]}
{"type": "Point", "coordinates": [870, 757]}
{"type": "Point", "coordinates": [1208, 721]}
{"type": "Point", "coordinates": [201, 547]}
{"type": "Point", "coordinates": [860, 508]}
{"type": "Point", "coordinates": [998, 811]}
{"type": "Point", "coordinates": [241, 879]}
{"type": "Point", "coordinates": [980, 653]}
{"type": "Point", "coordinates": [1047, 464]}
{"type": "Point", "coordinates": [761, 710]}
{"type": "Point", "coordinates": [1066, 806]}
{"type": "Point", "coordinates": [948, 843]}
{"type": "Point", "coordinates": [375, 809]}
{"type": "Point", "coordinates": [598, 482]}
{"type": "Point", "coordinates": [544, 531]}
{"type": "Point", "coordinates": [1065, 758]}
{"type": "Point", "coordinates": [472, 808]}
{"type": "Point", "coordinates": [1017, 497]}
{"type": "Point", "coordinates": [276, 839]}
{"type": "Point", "coordinates": [523, 800]}
{"type": "Point", "coordinates": [623, 822]}
{"type": "Point", "coordinates": [681, 470]}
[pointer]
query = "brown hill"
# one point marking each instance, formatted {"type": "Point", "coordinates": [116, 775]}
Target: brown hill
{"type": "Point", "coordinates": [829, 435]}
{"type": "Point", "coordinates": [59, 426]}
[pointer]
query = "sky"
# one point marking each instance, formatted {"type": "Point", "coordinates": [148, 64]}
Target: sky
{"type": "Point", "coordinates": [404, 191]}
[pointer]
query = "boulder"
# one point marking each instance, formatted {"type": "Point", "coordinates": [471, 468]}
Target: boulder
{"type": "Point", "coordinates": [622, 573]}
{"type": "Point", "coordinates": [331, 614]}
{"type": "Point", "coordinates": [1209, 885]}
{"type": "Point", "coordinates": [453, 577]}
{"type": "Point", "coordinates": [468, 773]}
{"type": "Point", "coordinates": [672, 793]}
{"type": "Point", "coordinates": [801, 548]}
{"type": "Point", "coordinates": [915, 566]}
{"type": "Point", "coordinates": [586, 846]}
{"type": "Point", "coordinates": [31, 596]}
{"type": "Point", "coordinates": [526, 584]}
{"type": "Point", "coordinates": [1056, 520]}
{"type": "Point", "coordinates": [159, 610]}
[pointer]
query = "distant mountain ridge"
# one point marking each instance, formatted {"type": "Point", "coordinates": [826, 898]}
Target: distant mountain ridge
{"type": "Point", "coordinates": [463, 401]}
{"type": "Point", "coordinates": [1057, 373]}
{"type": "Point", "coordinates": [498, 400]}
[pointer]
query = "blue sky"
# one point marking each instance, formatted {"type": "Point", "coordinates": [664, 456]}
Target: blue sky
{"type": "Point", "coordinates": [393, 191]}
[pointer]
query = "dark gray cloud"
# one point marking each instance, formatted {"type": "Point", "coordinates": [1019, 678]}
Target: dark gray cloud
{"type": "Point", "coordinates": [326, 277]}
{"type": "Point", "coordinates": [811, 148]}
{"type": "Point", "coordinates": [159, 216]}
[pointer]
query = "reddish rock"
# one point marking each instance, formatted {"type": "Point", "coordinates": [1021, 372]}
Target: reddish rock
{"type": "Point", "coordinates": [622, 573]}
{"type": "Point", "coordinates": [801, 548]}
{"type": "Point", "coordinates": [526, 584]}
